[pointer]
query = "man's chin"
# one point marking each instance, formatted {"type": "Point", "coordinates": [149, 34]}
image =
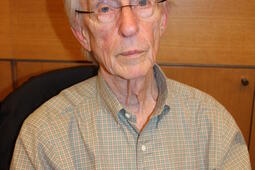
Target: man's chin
{"type": "Point", "coordinates": [135, 72]}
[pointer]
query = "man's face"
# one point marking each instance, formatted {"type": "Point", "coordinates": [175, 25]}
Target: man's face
{"type": "Point", "coordinates": [128, 46]}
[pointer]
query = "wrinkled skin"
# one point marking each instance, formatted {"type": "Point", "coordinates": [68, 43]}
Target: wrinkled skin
{"type": "Point", "coordinates": [126, 52]}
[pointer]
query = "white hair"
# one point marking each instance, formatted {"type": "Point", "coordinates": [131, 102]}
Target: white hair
{"type": "Point", "coordinates": [70, 7]}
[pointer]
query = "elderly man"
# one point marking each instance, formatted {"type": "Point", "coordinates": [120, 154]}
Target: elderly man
{"type": "Point", "coordinates": [130, 116]}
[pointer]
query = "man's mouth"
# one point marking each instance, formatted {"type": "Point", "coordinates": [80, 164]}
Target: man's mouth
{"type": "Point", "coordinates": [131, 52]}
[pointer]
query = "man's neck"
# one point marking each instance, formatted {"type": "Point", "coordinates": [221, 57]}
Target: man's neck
{"type": "Point", "coordinates": [138, 95]}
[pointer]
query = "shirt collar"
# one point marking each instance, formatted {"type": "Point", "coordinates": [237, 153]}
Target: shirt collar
{"type": "Point", "coordinates": [108, 98]}
{"type": "Point", "coordinates": [162, 90]}
{"type": "Point", "coordinates": [115, 107]}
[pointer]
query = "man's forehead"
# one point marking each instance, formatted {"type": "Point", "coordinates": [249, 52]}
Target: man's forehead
{"type": "Point", "coordinates": [94, 2]}
{"type": "Point", "coordinates": [98, 1]}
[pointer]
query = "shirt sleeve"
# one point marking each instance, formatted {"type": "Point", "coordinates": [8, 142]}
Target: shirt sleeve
{"type": "Point", "coordinates": [234, 148]}
{"type": "Point", "coordinates": [21, 159]}
{"type": "Point", "coordinates": [32, 149]}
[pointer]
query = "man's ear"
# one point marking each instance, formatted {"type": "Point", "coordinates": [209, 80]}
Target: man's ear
{"type": "Point", "coordinates": [163, 20]}
{"type": "Point", "coordinates": [82, 36]}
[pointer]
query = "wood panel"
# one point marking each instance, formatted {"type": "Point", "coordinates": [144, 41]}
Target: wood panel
{"type": "Point", "coordinates": [210, 32]}
{"type": "Point", "coordinates": [5, 79]}
{"type": "Point", "coordinates": [199, 31]}
{"type": "Point", "coordinates": [41, 30]}
{"type": "Point", "coordinates": [252, 140]}
{"type": "Point", "coordinates": [27, 69]}
{"type": "Point", "coordinates": [225, 85]}
{"type": "Point", "coordinates": [5, 41]}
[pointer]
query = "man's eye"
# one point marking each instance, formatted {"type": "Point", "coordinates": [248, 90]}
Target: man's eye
{"type": "Point", "coordinates": [104, 9]}
{"type": "Point", "coordinates": [143, 2]}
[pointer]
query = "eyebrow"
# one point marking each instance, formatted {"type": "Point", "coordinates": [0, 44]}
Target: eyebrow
{"type": "Point", "coordinates": [110, 2]}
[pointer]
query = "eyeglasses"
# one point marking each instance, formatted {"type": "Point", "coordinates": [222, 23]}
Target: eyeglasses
{"type": "Point", "coordinates": [106, 11]}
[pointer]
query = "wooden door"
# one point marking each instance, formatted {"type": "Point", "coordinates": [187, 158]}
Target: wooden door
{"type": "Point", "coordinates": [5, 79]}
{"type": "Point", "coordinates": [252, 140]}
{"type": "Point", "coordinates": [209, 32]}
{"type": "Point", "coordinates": [226, 86]}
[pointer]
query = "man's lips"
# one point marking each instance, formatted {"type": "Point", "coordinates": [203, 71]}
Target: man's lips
{"type": "Point", "coordinates": [131, 52]}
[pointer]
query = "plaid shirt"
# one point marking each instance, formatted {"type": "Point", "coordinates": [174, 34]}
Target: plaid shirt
{"type": "Point", "coordinates": [85, 127]}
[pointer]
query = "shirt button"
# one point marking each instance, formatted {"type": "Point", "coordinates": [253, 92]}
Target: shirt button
{"type": "Point", "coordinates": [127, 115]}
{"type": "Point", "coordinates": [143, 148]}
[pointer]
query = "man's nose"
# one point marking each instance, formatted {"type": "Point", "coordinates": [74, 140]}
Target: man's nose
{"type": "Point", "coordinates": [128, 22]}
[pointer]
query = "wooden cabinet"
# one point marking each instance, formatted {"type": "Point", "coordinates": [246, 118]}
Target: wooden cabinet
{"type": "Point", "coordinates": [5, 40]}
{"type": "Point", "coordinates": [40, 30]}
{"type": "Point", "coordinates": [226, 86]}
{"type": "Point", "coordinates": [252, 139]}
{"type": "Point", "coordinates": [209, 32]}
{"type": "Point", "coordinates": [5, 79]}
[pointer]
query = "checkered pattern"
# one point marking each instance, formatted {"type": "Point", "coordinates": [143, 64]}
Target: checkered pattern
{"type": "Point", "coordinates": [85, 127]}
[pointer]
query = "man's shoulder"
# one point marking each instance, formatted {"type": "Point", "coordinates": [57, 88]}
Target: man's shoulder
{"type": "Point", "coordinates": [78, 94]}
{"type": "Point", "coordinates": [201, 114]}
{"type": "Point", "coordinates": [195, 102]}
{"type": "Point", "coordinates": [188, 93]}
{"type": "Point", "coordinates": [61, 109]}
{"type": "Point", "coordinates": [199, 107]}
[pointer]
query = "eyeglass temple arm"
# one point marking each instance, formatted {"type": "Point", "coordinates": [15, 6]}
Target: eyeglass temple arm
{"type": "Point", "coordinates": [83, 12]}
{"type": "Point", "coordinates": [161, 1]}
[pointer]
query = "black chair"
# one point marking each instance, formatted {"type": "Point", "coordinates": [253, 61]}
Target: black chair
{"type": "Point", "coordinates": [16, 107]}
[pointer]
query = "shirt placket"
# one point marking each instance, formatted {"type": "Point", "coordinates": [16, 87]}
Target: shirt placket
{"type": "Point", "coordinates": [145, 145]}
{"type": "Point", "coordinates": [144, 140]}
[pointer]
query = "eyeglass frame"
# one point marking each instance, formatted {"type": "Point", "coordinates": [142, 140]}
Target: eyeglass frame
{"type": "Point", "coordinates": [130, 5]}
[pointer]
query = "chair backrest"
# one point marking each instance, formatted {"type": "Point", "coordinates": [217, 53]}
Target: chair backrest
{"type": "Point", "coordinates": [16, 107]}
